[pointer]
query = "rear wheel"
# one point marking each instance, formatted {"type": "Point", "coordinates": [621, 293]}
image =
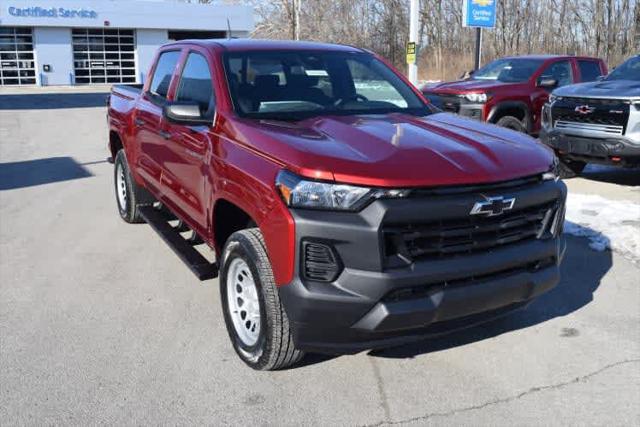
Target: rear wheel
{"type": "Point", "coordinates": [129, 195]}
{"type": "Point", "coordinates": [511, 122]}
{"type": "Point", "coordinates": [570, 168]}
{"type": "Point", "coordinates": [256, 321]}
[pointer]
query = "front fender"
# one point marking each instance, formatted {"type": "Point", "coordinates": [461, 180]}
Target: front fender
{"type": "Point", "coordinates": [247, 180]}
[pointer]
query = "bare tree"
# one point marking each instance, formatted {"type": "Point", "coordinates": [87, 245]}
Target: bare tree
{"type": "Point", "coordinates": [609, 29]}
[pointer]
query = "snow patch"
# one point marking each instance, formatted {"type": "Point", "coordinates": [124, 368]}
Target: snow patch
{"type": "Point", "coordinates": [608, 224]}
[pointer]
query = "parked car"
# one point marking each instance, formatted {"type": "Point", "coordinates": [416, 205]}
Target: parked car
{"type": "Point", "coordinates": [511, 91]}
{"type": "Point", "coordinates": [345, 212]}
{"type": "Point", "coordinates": [596, 122]}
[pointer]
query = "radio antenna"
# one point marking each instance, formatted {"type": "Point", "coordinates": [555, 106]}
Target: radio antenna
{"type": "Point", "coordinates": [228, 29]}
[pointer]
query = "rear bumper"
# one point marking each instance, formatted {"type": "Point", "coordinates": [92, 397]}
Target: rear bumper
{"type": "Point", "coordinates": [368, 306]}
{"type": "Point", "coordinates": [616, 150]}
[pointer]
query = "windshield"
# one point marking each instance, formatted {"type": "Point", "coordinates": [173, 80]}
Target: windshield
{"type": "Point", "coordinates": [629, 70]}
{"type": "Point", "coordinates": [508, 70]}
{"type": "Point", "coordinates": [293, 85]}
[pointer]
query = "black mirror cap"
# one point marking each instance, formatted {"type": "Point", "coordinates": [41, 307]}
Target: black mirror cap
{"type": "Point", "coordinates": [185, 113]}
{"type": "Point", "coordinates": [547, 82]}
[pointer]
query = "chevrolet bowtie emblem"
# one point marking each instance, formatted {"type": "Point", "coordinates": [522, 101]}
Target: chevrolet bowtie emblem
{"type": "Point", "coordinates": [584, 109]}
{"type": "Point", "coordinates": [493, 206]}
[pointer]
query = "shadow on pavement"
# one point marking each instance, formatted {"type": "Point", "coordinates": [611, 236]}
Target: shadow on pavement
{"type": "Point", "coordinates": [612, 174]}
{"type": "Point", "coordinates": [582, 271]}
{"type": "Point", "coordinates": [49, 101]}
{"type": "Point", "coordinates": [30, 173]}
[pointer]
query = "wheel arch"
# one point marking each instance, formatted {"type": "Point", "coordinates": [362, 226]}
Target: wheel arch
{"type": "Point", "coordinates": [227, 218]}
{"type": "Point", "coordinates": [517, 109]}
{"type": "Point", "coordinates": [115, 143]}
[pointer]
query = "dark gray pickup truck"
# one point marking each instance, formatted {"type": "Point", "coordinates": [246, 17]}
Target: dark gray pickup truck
{"type": "Point", "coordinates": [597, 122]}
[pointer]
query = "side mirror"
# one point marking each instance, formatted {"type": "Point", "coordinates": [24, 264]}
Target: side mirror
{"type": "Point", "coordinates": [547, 82]}
{"type": "Point", "coordinates": [185, 113]}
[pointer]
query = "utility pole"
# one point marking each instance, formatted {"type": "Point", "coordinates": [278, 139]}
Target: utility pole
{"type": "Point", "coordinates": [413, 37]}
{"type": "Point", "coordinates": [297, 4]}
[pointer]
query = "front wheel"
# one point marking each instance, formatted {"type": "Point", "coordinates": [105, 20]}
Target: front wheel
{"type": "Point", "coordinates": [511, 122]}
{"type": "Point", "coordinates": [255, 319]}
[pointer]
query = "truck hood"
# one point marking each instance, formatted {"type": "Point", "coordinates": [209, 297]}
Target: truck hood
{"type": "Point", "coordinates": [398, 150]}
{"type": "Point", "coordinates": [616, 89]}
{"type": "Point", "coordinates": [466, 86]}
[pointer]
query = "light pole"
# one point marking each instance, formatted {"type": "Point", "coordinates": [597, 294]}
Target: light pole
{"type": "Point", "coordinates": [297, 4]}
{"type": "Point", "coordinates": [413, 37]}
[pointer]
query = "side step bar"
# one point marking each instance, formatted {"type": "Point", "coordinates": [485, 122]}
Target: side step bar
{"type": "Point", "coordinates": [199, 265]}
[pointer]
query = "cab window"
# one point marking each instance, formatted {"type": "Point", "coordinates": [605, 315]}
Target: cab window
{"type": "Point", "coordinates": [162, 75]}
{"type": "Point", "coordinates": [560, 71]}
{"type": "Point", "coordinates": [589, 70]}
{"type": "Point", "coordinates": [195, 83]}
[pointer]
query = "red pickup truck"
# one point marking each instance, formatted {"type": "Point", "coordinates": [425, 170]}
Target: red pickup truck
{"type": "Point", "coordinates": [511, 92]}
{"type": "Point", "coordinates": [344, 211]}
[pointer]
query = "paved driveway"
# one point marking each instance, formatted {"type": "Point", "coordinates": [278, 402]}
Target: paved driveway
{"type": "Point", "coordinates": [100, 322]}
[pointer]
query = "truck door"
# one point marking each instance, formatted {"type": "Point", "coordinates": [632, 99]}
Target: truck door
{"type": "Point", "coordinates": [563, 73]}
{"type": "Point", "coordinates": [148, 120]}
{"type": "Point", "coordinates": [185, 172]}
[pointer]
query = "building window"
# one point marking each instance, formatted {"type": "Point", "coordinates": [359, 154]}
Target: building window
{"type": "Point", "coordinates": [17, 65]}
{"type": "Point", "coordinates": [104, 55]}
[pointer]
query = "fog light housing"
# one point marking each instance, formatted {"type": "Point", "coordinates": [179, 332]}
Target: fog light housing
{"type": "Point", "coordinates": [319, 262]}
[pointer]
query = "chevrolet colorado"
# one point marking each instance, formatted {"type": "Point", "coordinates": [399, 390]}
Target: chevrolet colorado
{"type": "Point", "coordinates": [596, 122]}
{"type": "Point", "coordinates": [345, 212]}
{"type": "Point", "coordinates": [511, 91]}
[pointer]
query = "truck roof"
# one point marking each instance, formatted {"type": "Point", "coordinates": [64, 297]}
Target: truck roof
{"type": "Point", "coordinates": [235, 45]}
{"type": "Point", "coordinates": [548, 56]}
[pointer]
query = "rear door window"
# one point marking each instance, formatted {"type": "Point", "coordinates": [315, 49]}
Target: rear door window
{"type": "Point", "coordinates": [161, 79]}
{"type": "Point", "coordinates": [195, 83]}
{"type": "Point", "coordinates": [561, 71]}
{"type": "Point", "coordinates": [589, 70]}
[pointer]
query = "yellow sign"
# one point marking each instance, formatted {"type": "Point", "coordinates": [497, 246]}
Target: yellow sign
{"type": "Point", "coordinates": [483, 3]}
{"type": "Point", "coordinates": [411, 53]}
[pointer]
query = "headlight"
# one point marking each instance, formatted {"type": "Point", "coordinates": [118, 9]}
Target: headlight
{"type": "Point", "coordinates": [298, 192]}
{"type": "Point", "coordinates": [476, 97]}
{"type": "Point", "coordinates": [553, 98]}
{"type": "Point", "coordinates": [553, 173]}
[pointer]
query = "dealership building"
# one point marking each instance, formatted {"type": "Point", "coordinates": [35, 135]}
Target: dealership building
{"type": "Point", "coordinates": [76, 42]}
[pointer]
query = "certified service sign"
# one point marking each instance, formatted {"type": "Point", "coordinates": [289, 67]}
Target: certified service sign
{"type": "Point", "coordinates": [52, 12]}
{"type": "Point", "coordinates": [479, 13]}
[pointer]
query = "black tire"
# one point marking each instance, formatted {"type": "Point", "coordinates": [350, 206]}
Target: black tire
{"type": "Point", "coordinates": [511, 122]}
{"type": "Point", "coordinates": [274, 348]}
{"type": "Point", "coordinates": [570, 168]}
{"type": "Point", "coordinates": [135, 195]}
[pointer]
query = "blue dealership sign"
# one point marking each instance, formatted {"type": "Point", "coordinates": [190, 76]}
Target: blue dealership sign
{"type": "Point", "coordinates": [479, 13]}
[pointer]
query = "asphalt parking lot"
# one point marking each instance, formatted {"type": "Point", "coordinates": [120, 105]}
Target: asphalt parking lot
{"type": "Point", "coordinates": [101, 323]}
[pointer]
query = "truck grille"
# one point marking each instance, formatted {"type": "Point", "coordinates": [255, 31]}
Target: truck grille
{"type": "Point", "coordinates": [604, 115]}
{"type": "Point", "coordinates": [595, 127]}
{"type": "Point", "coordinates": [452, 237]}
{"type": "Point", "coordinates": [449, 103]}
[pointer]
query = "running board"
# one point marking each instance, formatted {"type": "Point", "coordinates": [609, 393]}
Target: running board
{"type": "Point", "coordinates": [199, 265]}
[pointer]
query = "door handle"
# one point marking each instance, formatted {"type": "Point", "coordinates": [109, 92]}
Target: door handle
{"type": "Point", "coordinates": [139, 122]}
{"type": "Point", "coordinates": [165, 134]}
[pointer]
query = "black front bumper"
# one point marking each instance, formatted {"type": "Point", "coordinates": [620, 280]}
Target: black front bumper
{"type": "Point", "coordinates": [616, 150]}
{"type": "Point", "coordinates": [373, 305]}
